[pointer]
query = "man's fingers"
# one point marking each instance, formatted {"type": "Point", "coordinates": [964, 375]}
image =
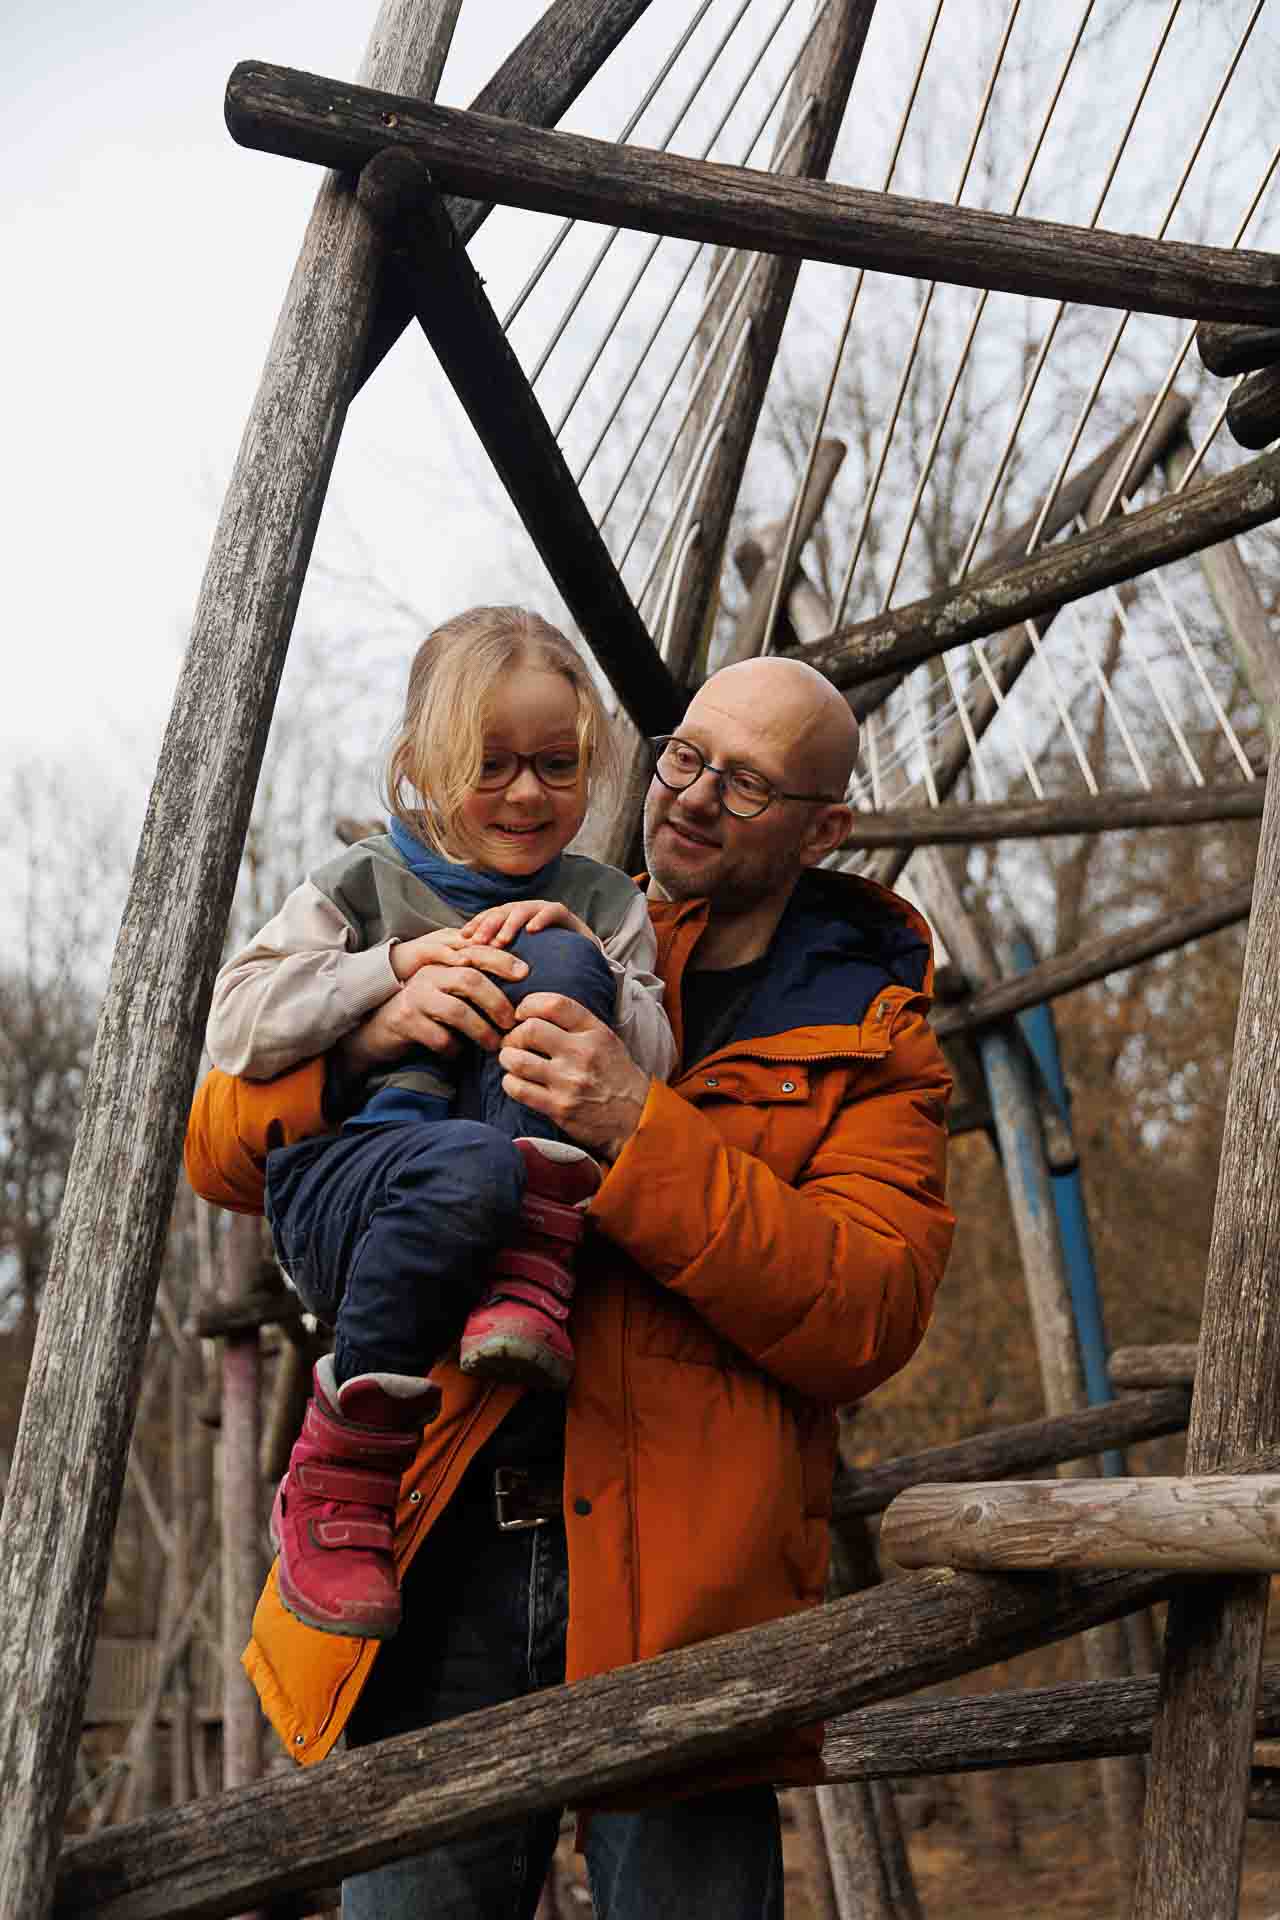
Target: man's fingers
{"type": "Point", "coordinates": [557, 1010]}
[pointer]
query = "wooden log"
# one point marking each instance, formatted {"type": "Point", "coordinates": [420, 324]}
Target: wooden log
{"type": "Point", "coordinates": [750, 634]}
{"type": "Point", "coordinates": [1239, 604]}
{"type": "Point", "coordinates": [101, 1286]}
{"type": "Point", "coordinates": [305, 117]}
{"type": "Point", "coordinates": [1016, 1727]}
{"type": "Point", "coordinates": [1118, 550]}
{"type": "Point", "coordinates": [259, 1307]}
{"type": "Point", "coordinates": [1193, 1836]}
{"type": "Point", "coordinates": [538, 82]}
{"type": "Point", "coordinates": [1264, 1793]}
{"type": "Point", "coordinates": [1226, 349]}
{"type": "Point", "coordinates": [1168, 1366]}
{"type": "Point", "coordinates": [1219, 1525]}
{"type": "Point", "coordinates": [470, 345]}
{"type": "Point", "coordinates": [1020, 1449]}
{"type": "Point", "coordinates": [568, 1744]}
{"type": "Point", "coordinates": [1041, 819]}
{"type": "Point", "coordinates": [1253, 411]}
{"type": "Point", "coordinates": [1094, 960]}
{"type": "Point", "coordinates": [240, 1507]}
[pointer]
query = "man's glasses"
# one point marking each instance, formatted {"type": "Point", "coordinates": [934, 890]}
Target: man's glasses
{"type": "Point", "coordinates": [743, 792]}
{"type": "Point", "coordinates": [555, 767]}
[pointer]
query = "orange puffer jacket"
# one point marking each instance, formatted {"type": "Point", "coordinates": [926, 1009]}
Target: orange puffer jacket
{"type": "Point", "coordinates": [780, 1209]}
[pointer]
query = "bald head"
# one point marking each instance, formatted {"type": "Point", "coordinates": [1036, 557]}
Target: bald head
{"type": "Point", "coordinates": [797, 713]}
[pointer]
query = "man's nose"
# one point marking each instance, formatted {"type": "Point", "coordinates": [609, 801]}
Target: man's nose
{"type": "Point", "coordinates": [706, 793]}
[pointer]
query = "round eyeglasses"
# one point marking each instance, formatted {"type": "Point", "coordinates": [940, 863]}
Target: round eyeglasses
{"type": "Point", "coordinates": [743, 792]}
{"type": "Point", "coordinates": [554, 767]}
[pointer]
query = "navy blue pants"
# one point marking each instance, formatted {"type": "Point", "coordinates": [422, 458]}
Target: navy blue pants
{"type": "Point", "coordinates": [387, 1231]}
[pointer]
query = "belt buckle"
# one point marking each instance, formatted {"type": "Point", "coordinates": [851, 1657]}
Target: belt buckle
{"type": "Point", "coordinates": [509, 1483]}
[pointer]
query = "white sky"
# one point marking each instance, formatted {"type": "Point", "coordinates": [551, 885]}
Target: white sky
{"type": "Point", "coordinates": [146, 256]}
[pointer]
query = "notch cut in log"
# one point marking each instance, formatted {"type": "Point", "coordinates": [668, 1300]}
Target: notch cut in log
{"type": "Point", "coordinates": [1117, 550]}
{"type": "Point", "coordinates": [1253, 411]}
{"type": "Point", "coordinates": [306, 117]}
{"type": "Point", "coordinates": [1219, 1524]}
{"type": "Point", "coordinates": [1042, 819]}
{"type": "Point", "coordinates": [1228, 349]}
{"type": "Point", "coordinates": [1020, 1449]}
{"type": "Point", "coordinates": [1173, 1365]}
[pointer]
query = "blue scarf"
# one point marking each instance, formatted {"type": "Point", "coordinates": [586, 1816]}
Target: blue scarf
{"type": "Point", "coordinates": [469, 889]}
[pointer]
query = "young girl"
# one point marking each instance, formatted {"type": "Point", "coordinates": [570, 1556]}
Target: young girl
{"type": "Point", "coordinates": [441, 1210]}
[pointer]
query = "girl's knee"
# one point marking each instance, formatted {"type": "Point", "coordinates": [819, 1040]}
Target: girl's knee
{"type": "Point", "coordinates": [562, 961]}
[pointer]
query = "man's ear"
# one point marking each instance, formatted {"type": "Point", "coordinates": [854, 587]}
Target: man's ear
{"type": "Point", "coordinates": [829, 828]}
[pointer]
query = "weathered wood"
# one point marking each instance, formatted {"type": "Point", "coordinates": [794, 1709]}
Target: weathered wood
{"type": "Point", "coordinates": [1225, 348]}
{"type": "Point", "coordinates": [1040, 819]}
{"type": "Point", "coordinates": [1249, 626]}
{"type": "Point", "coordinates": [1194, 1832]}
{"type": "Point", "coordinates": [468, 340]}
{"type": "Point", "coordinates": [102, 1279]}
{"type": "Point", "coordinates": [1253, 410]}
{"type": "Point", "coordinates": [750, 634]}
{"type": "Point", "coordinates": [1094, 960]}
{"type": "Point", "coordinates": [305, 117]}
{"type": "Point", "coordinates": [1168, 1366]}
{"type": "Point", "coordinates": [1016, 1727]}
{"type": "Point", "coordinates": [1264, 1793]}
{"type": "Point", "coordinates": [1221, 1525]}
{"type": "Point", "coordinates": [670, 1714]}
{"type": "Point", "coordinates": [538, 82]}
{"type": "Point", "coordinates": [1117, 550]}
{"type": "Point", "coordinates": [1020, 1449]}
{"type": "Point", "coordinates": [240, 1507]}
{"type": "Point", "coordinates": [259, 1307]}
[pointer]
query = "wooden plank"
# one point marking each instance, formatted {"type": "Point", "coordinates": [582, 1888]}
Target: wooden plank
{"type": "Point", "coordinates": [1173, 1365]}
{"type": "Point", "coordinates": [1120, 549]}
{"type": "Point", "coordinates": [1253, 411]}
{"type": "Point", "coordinates": [1226, 349]}
{"type": "Point", "coordinates": [538, 82]}
{"type": "Point", "coordinates": [1193, 1835]}
{"type": "Point", "coordinates": [464, 332]}
{"type": "Point", "coordinates": [101, 1287]}
{"type": "Point", "coordinates": [1020, 1449]}
{"type": "Point", "coordinates": [260, 1307]}
{"type": "Point", "coordinates": [1041, 819]}
{"type": "Point", "coordinates": [305, 117]}
{"type": "Point", "coordinates": [1225, 1524]}
{"type": "Point", "coordinates": [750, 634]}
{"type": "Point", "coordinates": [1094, 960]}
{"type": "Point", "coordinates": [1015, 1727]}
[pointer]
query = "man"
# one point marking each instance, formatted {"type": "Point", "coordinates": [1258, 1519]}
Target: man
{"type": "Point", "coordinates": [769, 1236]}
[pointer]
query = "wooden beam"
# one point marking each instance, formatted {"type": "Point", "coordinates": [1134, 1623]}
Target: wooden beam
{"type": "Point", "coordinates": [1094, 960]}
{"type": "Point", "coordinates": [538, 82]}
{"type": "Point", "coordinates": [1041, 819]}
{"type": "Point", "coordinates": [68, 1464]}
{"type": "Point", "coordinates": [1253, 411]}
{"type": "Point", "coordinates": [464, 331]}
{"type": "Point", "coordinates": [1014, 1727]}
{"type": "Point", "coordinates": [1193, 1835]}
{"type": "Point", "coordinates": [750, 633]}
{"type": "Point", "coordinates": [1020, 1449]}
{"type": "Point", "coordinates": [1119, 549]}
{"type": "Point", "coordinates": [305, 117]}
{"type": "Point", "coordinates": [260, 1307]}
{"type": "Point", "coordinates": [1223, 1524]}
{"type": "Point", "coordinates": [1226, 349]}
{"type": "Point", "coordinates": [1167, 1366]}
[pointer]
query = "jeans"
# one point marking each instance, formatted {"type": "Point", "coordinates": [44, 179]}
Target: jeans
{"type": "Point", "coordinates": [387, 1231]}
{"type": "Point", "coordinates": [484, 1621]}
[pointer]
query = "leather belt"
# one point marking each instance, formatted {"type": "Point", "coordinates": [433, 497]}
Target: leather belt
{"type": "Point", "coordinates": [527, 1497]}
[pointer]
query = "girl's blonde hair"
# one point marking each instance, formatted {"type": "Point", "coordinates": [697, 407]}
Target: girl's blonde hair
{"type": "Point", "coordinates": [435, 756]}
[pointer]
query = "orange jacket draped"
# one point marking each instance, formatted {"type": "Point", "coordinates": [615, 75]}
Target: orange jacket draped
{"type": "Point", "coordinates": [772, 1237]}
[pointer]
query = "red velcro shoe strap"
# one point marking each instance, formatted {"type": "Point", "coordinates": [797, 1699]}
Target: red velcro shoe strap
{"type": "Point", "coordinates": [552, 1219]}
{"type": "Point", "coordinates": [532, 1295]}
{"type": "Point", "coordinates": [351, 1533]}
{"type": "Point", "coordinates": [522, 1263]}
{"type": "Point", "coordinates": [330, 1482]}
{"type": "Point", "coordinates": [342, 1440]}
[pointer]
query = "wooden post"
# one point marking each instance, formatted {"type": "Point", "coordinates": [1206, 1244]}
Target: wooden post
{"type": "Point", "coordinates": [241, 1508]}
{"type": "Point", "coordinates": [102, 1278]}
{"type": "Point", "coordinates": [1194, 1833]}
{"type": "Point", "coordinates": [1036, 819]}
{"type": "Point", "coordinates": [751, 634]}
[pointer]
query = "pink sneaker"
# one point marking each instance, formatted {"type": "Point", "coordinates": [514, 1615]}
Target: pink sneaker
{"type": "Point", "coordinates": [519, 1332]}
{"type": "Point", "coordinates": [334, 1513]}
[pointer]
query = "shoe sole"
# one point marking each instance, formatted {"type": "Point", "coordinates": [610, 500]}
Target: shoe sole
{"type": "Point", "coordinates": [516, 1363]}
{"type": "Point", "coordinates": [293, 1604]}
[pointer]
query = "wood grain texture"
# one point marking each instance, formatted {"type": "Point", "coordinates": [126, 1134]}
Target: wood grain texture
{"type": "Point", "coordinates": [1194, 1832]}
{"type": "Point", "coordinates": [1227, 349]}
{"type": "Point", "coordinates": [305, 117]}
{"type": "Point", "coordinates": [1253, 411]}
{"type": "Point", "coordinates": [454, 313]}
{"type": "Point", "coordinates": [1052, 577]}
{"type": "Point", "coordinates": [1219, 1525]}
{"type": "Point", "coordinates": [1041, 819]}
{"type": "Point", "coordinates": [1094, 960]}
{"type": "Point", "coordinates": [101, 1287]}
{"type": "Point", "coordinates": [538, 82]}
{"type": "Point", "coordinates": [1173, 1365]}
{"type": "Point", "coordinates": [1020, 1449]}
{"type": "Point", "coordinates": [666, 1715]}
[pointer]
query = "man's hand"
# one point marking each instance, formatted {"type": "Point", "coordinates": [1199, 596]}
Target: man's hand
{"type": "Point", "coordinates": [562, 1061]}
{"type": "Point", "coordinates": [441, 1003]}
{"type": "Point", "coordinates": [498, 926]}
